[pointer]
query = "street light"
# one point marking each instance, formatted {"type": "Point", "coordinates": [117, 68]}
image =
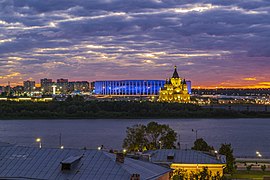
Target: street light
{"type": "Point", "coordinates": [38, 140]}
{"type": "Point", "coordinates": [196, 132]}
{"type": "Point", "coordinates": [258, 154]}
{"type": "Point", "coordinates": [160, 143]}
{"type": "Point", "coordinates": [100, 147]}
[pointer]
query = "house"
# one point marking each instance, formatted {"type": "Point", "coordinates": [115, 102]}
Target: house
{"type": "Point", "coordinates": [19, 162]}
{"type": "Point", "coordinates": [188, 160]}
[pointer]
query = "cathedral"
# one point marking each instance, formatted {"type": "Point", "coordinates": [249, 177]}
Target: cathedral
{"type": "Point", "coordinates": [174, 90]}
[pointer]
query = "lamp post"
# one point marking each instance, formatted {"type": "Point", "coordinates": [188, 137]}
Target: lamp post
{"type": "Point", "coordinates": [258, 154]}
{"type": "Point", "coordinates": [160, 144]}
{"type": "Point", "coordinates": [196, 132]}
{"type": "Point", "coordinates": [38, 140]}
{"type": "Point", "coordinates": [60, 141]}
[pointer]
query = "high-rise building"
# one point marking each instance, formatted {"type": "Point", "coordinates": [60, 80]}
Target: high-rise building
{"type": "Point", "coordinates": [82, 86]}
{"type": "Point", "coordinates": [46, 85]}
{"type": "Point", "coordinates": [175, 90]}
{"type": "Point", "coordinates": [62, 85]}
{"type": "Point", "coordinates": [2, 89]}
{"type": "Point", "coordinates": [29, 86]}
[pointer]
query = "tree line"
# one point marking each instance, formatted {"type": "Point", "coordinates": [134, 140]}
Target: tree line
{"type": "Point", "coordinates": [77, 108]}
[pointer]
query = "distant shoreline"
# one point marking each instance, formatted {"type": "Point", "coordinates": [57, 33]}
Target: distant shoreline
{"type": "Point", "coordinates": [118, 110]}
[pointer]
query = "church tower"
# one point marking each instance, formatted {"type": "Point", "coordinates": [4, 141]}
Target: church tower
{"type": "Point", "coordinates": [174, 90]}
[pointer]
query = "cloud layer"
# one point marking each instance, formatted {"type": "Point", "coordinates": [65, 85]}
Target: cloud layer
{"type": "Point", "coordinates": [213, 43]}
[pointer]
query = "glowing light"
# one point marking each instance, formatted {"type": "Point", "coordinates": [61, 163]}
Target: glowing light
{"type": "Point", "coordinates": [52, 24]}
{"type": "Point", "coordinates": [95, 46]}
{"type": "Point", "coordinates": [6, 40]}
{"type": "Point", "coordinates": [38, 140]}
{"type": "Point", "coordinates": [250, 79]}
{"type": "Point", "coordinates": [15, 58]}
{"type": "Point", "coordinates": [196, 7]}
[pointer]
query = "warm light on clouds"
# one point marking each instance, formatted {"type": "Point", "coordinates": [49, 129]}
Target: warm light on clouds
{"type": "Point", "coordinates": [10, 76]}
{"type": "Point", "coordinates": [264, 83]}
{"type": "Point", "coordinates": [250, 79]}
{"type": "Point", "coordinates": [213, 43]}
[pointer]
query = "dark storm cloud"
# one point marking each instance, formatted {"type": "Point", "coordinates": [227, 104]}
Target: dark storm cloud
{"type": "Point", "coordinates": [136, 37]}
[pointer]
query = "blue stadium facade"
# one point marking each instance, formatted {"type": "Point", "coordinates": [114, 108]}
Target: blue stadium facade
{"type": "Point", "coordinates": [130, 87]}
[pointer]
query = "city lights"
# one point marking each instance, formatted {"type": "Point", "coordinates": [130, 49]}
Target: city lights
{"type": "Point", "coordinates": [38, 140]}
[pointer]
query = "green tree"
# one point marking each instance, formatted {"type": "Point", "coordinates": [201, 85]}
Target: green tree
{"type": "Point", "coordinates": [227, 150]}
{"type": "Point", "coordinates": [135, 140]}
{"type": "Point", "coordinates": [153, 136]}
{"type": "Point", "coordinates": [201, 145]}
{"type": "Point", "coordinates": [205, 174]}
{"type": "Point", "coordinates": [249, 167]}
{"type": "Point", "coordinates": [263, 167]}
{"type": "Point", "coordinates": [180, 174]}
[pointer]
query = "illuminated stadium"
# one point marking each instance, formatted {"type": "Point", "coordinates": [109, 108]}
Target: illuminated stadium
{"type": "Point", "coordinates": [130, 87]}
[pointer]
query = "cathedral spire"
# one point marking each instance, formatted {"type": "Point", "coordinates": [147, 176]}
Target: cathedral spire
{"type": "Point", "coordinates": [175, 74]}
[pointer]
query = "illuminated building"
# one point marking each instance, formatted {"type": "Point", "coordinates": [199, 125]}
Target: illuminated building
{"type": "Point", "coordinates": [190, 161]}
{"type": "Point", "coordinates": [175, 90]}
{"type": "Point", "coordinates": [54, 89]}
{"type": "Point", "coordinates": [62, 85]}
{"type": "Point", "coordinates": [128, 87]}
{"type": "Point", "coordinates": [2, 89]}
{"type": "Point", "coordinates": [20, 99]}
{"type": "Point", "coordinates": [46, 85]}
{"type": "Point", "coordinates": [29, 86]}
{"type": "Point", "coordinates": [82, 86]}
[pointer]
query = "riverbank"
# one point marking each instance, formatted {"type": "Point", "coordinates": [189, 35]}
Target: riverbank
{"type": "Point", "coordinates": [116, 110]}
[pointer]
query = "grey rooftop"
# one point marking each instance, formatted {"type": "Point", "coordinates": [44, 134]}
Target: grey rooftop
{"type": "Point", "coordinates": [17, 162]}
{"type": "Point", "coordinates": [183, 157]}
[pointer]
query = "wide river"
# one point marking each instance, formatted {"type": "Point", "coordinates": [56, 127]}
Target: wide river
{"type": "Point", "coordinates": [246, 135]}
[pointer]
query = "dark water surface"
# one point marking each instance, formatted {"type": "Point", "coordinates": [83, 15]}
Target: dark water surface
{"type": "Point", "coordinates": [246, 135]}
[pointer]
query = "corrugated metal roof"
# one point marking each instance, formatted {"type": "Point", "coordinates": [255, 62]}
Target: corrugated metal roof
{"type": "Point", "coordinates": [184, 157]}
{"type": "Point", "coordinates": [30, 162]}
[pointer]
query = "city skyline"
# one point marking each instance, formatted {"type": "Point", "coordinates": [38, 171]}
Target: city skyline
{"type": "Point", "coordinates": [213, 43]}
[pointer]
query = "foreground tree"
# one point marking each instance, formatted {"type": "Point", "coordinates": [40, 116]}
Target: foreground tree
{"type": "Point", "coordinates": [227, 150]}
{"type": "Point", "coordinates": [201, 145]}
{"type": "Point", "coordinates": [135, 140]}
{"type": "Point", "coordinates": [153, 136]}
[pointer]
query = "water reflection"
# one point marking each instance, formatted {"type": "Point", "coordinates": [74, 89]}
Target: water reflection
{"type": "Point", "coordinates": [246, 135]}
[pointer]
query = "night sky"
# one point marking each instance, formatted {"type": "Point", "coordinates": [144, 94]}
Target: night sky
{"type": "Point", "coordinates": [214, 43]}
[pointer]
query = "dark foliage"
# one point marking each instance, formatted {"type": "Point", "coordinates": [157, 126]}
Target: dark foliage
{"type": "Point", "coordinates": [152, 136]}
{"type": "Point", "coordinates": [201, 145]}
{"type": "Point", "coordinates": [227, 150]}
{"type": "Point", "coordinates": [77, 108]}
